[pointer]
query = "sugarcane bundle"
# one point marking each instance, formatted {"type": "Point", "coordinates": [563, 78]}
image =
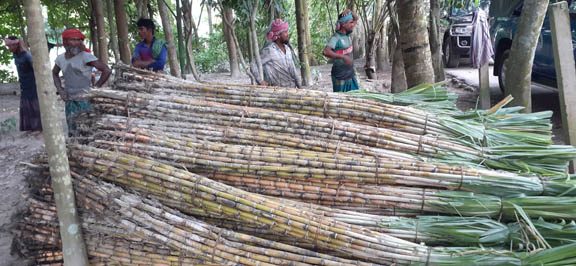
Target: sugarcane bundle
{"type": "Point", "coordinates": [235, 135]}
{"type": "Point", "coordinates": [37, 236]}
{"type": "Point", "coordinates": [256, 170]}
{"type": "Point", "coordinates": [133, 229]}
{"type": "Point", "coordinates": [321, 167]}
{"type": "Point", "coordinates": [539, 159]}
{"type": "Point", "coordinates": [346, 239]}
{"type": "Point", "coordinates": [494, 127]}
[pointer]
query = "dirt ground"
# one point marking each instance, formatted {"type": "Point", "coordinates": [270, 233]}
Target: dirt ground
{"type": "Point", "coordinates": [16, 148]}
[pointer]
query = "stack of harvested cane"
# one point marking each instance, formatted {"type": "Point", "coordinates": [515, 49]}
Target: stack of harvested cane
{"type": "Point", "coordinates": [279, 176]}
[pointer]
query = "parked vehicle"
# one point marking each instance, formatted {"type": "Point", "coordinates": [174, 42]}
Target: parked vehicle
{"type": "Point", "coordinates": [504, 19]}
{"type": "Point", "coordinates": [458, 35]}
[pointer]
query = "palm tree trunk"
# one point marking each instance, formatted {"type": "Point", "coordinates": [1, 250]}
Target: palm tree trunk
{"type": "Point", "coordinates": [518, 78]}
{"type": "Point", "coordinates": [101, 29]}
{"type": "Point", "coordinates": [113, 36]}
{"type": "Point", "coordinates": [122, 25]}
{"type": "Point", "coordinates": [398, 83]}
{"type": "Point", "coordinates": [254, 36]}
{"type": "Point", "coordinates": [414, 42]}
{"type": "Point", "coordinates": [181, 51]}
{"type": "Point", "coordinates": [209, 13]}
{"type": "Point", "coordinates": [303, 37]}
{"type": "Point", "coordinates": [382, 55]}
{"type": "Point", "coordinates": [228, 15]}
{"type": "Point", "coordinates": [167, 25]}
{"type": "Point", "coordinates": [73, 247]}
{"type": "Point", "coordinates": [435, 41]}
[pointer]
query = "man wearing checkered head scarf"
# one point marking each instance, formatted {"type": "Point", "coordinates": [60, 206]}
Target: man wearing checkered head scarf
{"type": "Point", "coordinates": [278, 59]}
{"type": "Point", "coordinates": [29, 106]}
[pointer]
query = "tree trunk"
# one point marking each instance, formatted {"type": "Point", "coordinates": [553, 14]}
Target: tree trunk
{"type": "Point", "coordinates": [113, 36]}
{"type": "Point", "coordinates": [101, 24]}
{"type": "Point", "coordinates": [189, 27]}
{"type": "Point", "coordinates": [232, 53]}
{"type": "Point", "coordinates": [518, 78]}
{"type": "Point", "coordinates": [303, 36]}
{"type": "Point", "coordinates": [167, 25]}
{"type": "Point", "coordinates": [73, 248]}
{"type": "Point", "coordinates": [93, 37]}
{"type": "Point", "coordinates": [382, 55]}
{"type": "Point", "coordinates": [181, 51]}
{"type": "Point", "coordinates": [141, 7]}
{"type": "Point", "coordinates": [398, 83]}
{"type": "Point", "coordinates": [93, 32]}
{"type": "Point", "coordinates": [250, 46]}
{"type": "Point", "coordinates": [254, 35]}
{"type": "Point", "coordinates": [230, 25]}
{"type": "Point", "coordinates": [414, 42]}
{"type": "Point", "coordinates": [150, 9]}
{"type": "Point", "coordinates": [436, 41]}
{"type": "Point", "coordinates": [122, 25]}
{"type": "Point", "coordinates": [209, 13]}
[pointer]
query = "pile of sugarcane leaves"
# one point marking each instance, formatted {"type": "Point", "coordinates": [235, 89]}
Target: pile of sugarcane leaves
{"type": "Point", "coordinates": [175, 172]}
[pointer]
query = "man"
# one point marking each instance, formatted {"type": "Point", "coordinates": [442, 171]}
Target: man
{"type": "Point", "coordinates": [277, 61]}
{"type": "Point", "coordinates": [150, 53]}
{"type": "Point", "coordinates": [29, 107]}
{"type": "Point", "coordinates": [340, 49]}
{"type": "Point", "coordinates": [76, 65]}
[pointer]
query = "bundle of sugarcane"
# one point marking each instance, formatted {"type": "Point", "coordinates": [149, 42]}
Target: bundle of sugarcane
{"type": "Point", "coordinates": [125, 220]}
{"type": "Point", "coordinates": [235, 135]}
{"type": "Point", "coordinates": [538, 159]}
{"type": "Point", "coordinates": [190, 132]}
{"type": "Point", "coordinates": [38, 237]}
{"type": "Point", "coordinates": [270, 172]}
{"type": "Point", "coordinates": [492, 128]}
{"type": "Point", "coordinates": [440, 230]}
{"type": "Point", "coordinates": [234, 204]}
{"type": "Point", "coordinates": [321, 167]}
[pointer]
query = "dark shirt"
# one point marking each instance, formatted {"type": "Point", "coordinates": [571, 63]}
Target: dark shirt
{"type": "Point", "coordinates": [145, 53]}
{"type": "Point", "coordinates": [23, 63]}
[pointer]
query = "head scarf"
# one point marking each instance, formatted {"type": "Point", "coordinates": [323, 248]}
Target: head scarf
{"type": "Point", "coordinates": [343, 20]}
{"type": "Point", "coordinates": [73, 33]}
{"type": "Point", "coordinates": [277, 27]}
{"type": "Point", "coordinates": [21, 44]}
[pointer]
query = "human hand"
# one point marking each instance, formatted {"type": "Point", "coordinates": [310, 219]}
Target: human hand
{"type": "Point", "coordinates": [63, 95]}
{"type": "Point", "coordinates": [348, 60]}
{"type": "Point", "coordinates": [263, 83]}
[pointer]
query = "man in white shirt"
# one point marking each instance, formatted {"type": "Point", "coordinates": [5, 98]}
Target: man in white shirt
{"type": "Point", "coordinates": [76, 65]}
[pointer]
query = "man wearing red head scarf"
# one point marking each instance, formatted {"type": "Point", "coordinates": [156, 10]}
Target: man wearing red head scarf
{"type": "Point", "coordinates": [76, 65]}
{"type": "Point", "coordinates": [277, 59]}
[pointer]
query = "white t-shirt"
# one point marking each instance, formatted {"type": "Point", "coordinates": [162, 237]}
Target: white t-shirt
{"type": "Point", "coordinates": [77, 74]}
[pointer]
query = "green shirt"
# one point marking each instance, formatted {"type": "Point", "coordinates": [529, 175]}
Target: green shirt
{"type": "Point", "coordinates": [341, 44]}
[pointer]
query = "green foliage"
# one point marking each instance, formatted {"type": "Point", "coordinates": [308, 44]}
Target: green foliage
{"type": "Point", "coordinates": [7, 126]}
{"type": "Point", "coordinates": [212, 56]}
{"type": "Point", "coordinates": [7, 77]}
{"type": "Point", "coordinates": [10, 23]}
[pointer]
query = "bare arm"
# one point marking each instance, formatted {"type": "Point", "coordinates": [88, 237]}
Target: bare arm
{"type": "Point", "coordinates": [58, 82]}
{"type": "Point", "coordinates": [105, 72]}
{"type": "Point", "coordinates": [330, 53]}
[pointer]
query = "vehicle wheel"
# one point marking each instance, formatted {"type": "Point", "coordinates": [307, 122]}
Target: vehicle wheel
{"type": "Point", "coordinates": [451, 59]}
{"type": "Point", "coordinates": [502, 73]}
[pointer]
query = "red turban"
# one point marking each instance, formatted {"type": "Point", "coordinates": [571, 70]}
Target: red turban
{"type": "Point", "coordinates": [73, 33]}
{"type": "Point", "coordinates": [277, 27]}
